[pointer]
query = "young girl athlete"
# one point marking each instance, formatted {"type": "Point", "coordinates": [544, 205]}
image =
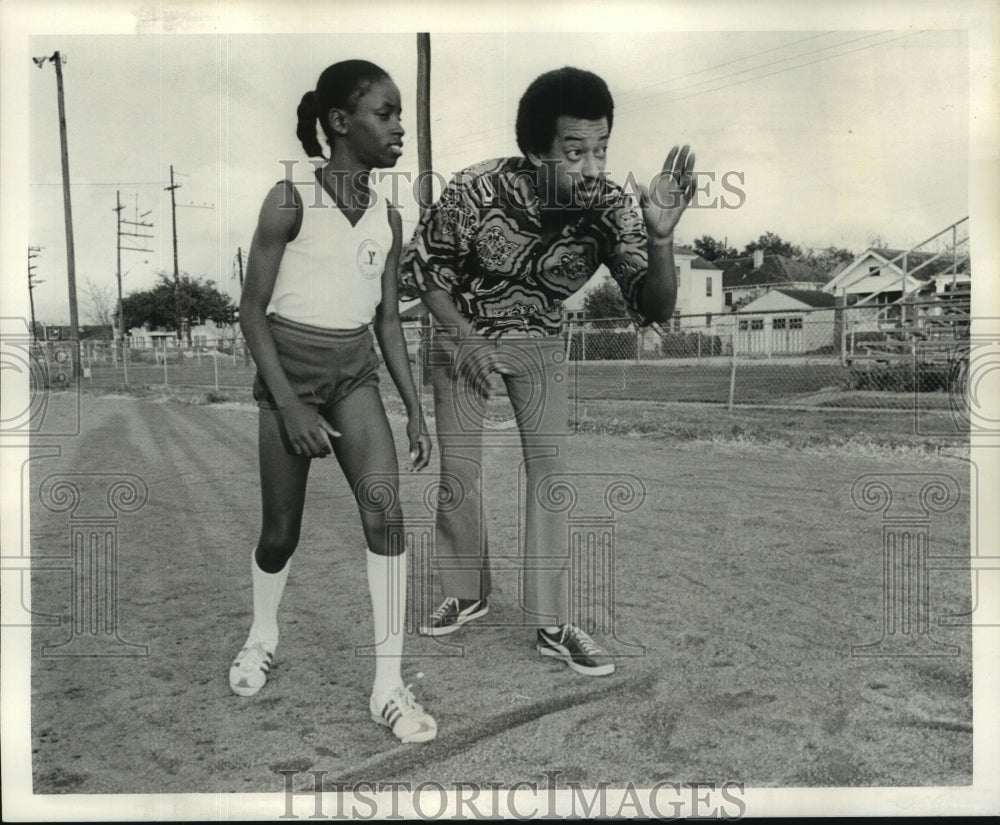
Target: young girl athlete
{"type": "Point", "coordinates": [323, 265]}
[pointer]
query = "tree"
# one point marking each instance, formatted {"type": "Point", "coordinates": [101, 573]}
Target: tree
{"type": "Point", "coordinates": [712, 250]}
{"type": "Point", "coordinates": [100, 303]}
{"type": "Point", "coordinates": [605, 302]}
{"type": "Point", "coordinates": [829, 260]}
{"type": "Point", "coordinates": [199, 301]}
{"type": "Point", "coordinates": [877, 241]}
{"type": "Point", "coordinates": [772, 244]}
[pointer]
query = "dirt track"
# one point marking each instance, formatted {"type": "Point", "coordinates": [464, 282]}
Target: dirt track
{"type": "Point", "coordinates": [741, 583]}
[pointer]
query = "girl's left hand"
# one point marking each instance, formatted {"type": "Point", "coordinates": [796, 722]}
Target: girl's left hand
{"type": "Point", "coordinates": [420, 442]}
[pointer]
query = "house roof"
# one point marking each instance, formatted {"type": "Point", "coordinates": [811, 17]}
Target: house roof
{"type": "Point", "coordinates": [914, 259]}
{"type": "Point", "coordinates": [885, 258]}
{"type": "Point", "coordinates": [775, 269]}
{"type": "Point", "coordinates": [698, 262]}
{"type": "Point", "coordinates": [812, 297]}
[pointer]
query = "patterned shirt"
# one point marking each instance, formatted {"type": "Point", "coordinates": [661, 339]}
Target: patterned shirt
{"type": "Point", "coordinates": [482, 243]}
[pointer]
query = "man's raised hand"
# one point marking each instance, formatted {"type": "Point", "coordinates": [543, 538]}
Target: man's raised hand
{"type": "Point", "coordinates": [671, 191]}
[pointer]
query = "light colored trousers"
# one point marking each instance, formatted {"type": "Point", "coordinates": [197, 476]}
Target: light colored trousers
{"type": "Point", "coordinates": [536, 378]}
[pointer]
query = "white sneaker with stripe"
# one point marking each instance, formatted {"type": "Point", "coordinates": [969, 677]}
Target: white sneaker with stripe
{"type": "Point", "coordinates": [250, 668]}
{"type": "Point", "coordinates": [404, 716]}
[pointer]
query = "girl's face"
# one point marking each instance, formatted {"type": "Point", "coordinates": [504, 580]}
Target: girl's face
{"type": "Point", "coordinates": [373, 131]}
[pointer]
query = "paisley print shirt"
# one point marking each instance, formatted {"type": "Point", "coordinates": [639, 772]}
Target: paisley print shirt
{"type": "Point", "coordinates": [482, 243]}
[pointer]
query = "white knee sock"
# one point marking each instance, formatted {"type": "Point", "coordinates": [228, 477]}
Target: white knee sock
{"type": "Point", "coordinates": [387, 586]}
{"type": "Point", "coordinates": [267, 590]}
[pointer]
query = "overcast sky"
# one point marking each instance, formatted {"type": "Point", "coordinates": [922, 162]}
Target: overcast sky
{"type": "Point", "coordinates": [835, 131]}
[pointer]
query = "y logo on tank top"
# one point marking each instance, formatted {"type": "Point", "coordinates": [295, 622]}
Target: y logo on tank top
{"type": "Point", "coordinates": [371, 258]}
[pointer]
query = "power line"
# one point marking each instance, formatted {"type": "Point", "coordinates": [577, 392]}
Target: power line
{"type": "Point", "coordinates": [118, 183]}
{"type": "Point", "coordinates": [674, 92]}
{"type": "Point", "coordinates": [474, 138]}
{"type": "Point", "coordinates": [632, 92]}
{"type": "Point", "coordinates": [800, 65]}
{"type": "Point", "coordinates": [491, 136]}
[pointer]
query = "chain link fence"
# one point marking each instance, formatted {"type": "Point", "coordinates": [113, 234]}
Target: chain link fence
{"type": "Point", "coordinates": [830, 357]}
{"type": "Point", "coordinates": [869, 357]}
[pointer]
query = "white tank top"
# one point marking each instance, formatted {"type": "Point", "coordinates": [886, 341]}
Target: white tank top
{"type": "Point", "coordinates": [331, 274]}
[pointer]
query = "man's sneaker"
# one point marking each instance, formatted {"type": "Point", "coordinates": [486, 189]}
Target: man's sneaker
{"type": "Point", "coordinates": [576, 649]}
{"type": "Point", "coordinates": [250, 668]}
{"type": "Point", "coordinates": [452, 614]}
{"type": "Point", "coordinates": [404, 716]}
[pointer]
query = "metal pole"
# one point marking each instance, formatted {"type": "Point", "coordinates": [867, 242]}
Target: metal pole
{"type": "Point", "coordinates": [118, 247]}
{"type": "Point", "coordinates": [732, 373]}
{"type": "Point", "coordinates": [902, 295]}
{"type": "Point", "coordinates": [954, 256]}
{"type": "Point", "coordinates": [74, 321]}
{"type": "Point", "coordinates": [843, 333]}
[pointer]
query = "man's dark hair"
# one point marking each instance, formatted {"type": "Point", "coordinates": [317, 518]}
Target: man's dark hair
{"type": "Point", "coordinates": [567, 91]}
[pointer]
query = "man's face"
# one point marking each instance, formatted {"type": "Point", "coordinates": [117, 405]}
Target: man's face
{"type": "Point", "coordinates": [572, 170]}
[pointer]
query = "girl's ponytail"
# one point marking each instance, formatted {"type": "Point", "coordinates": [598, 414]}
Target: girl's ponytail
{"type": "Point", "coordinates": [338, 87]}
{"type": "Point", "coordinates": [306, 128]}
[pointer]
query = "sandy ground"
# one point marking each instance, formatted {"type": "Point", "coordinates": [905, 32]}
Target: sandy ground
{"type": "Point", "coordinates": [740, 584]}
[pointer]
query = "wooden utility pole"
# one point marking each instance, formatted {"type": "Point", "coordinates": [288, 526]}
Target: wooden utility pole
{"type": "Point", "coordinates": [118, 250]}
{"type": "Point", "coordinates": [136, 223]}
{"type": "Point", "coordinates": [425, 192]}
{"type": "Point", "coordinates": [177, 278]}
{"type": "Point", "coordinates": [32, 283]}
{"type": "Point", "coordinates": [178, 304]}
{"type": "Point", "coordinates": [58, 59]}
{"type": "Point", "coordinates": [74, 320]}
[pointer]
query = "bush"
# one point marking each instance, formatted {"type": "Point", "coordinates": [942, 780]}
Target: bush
{"type": "Point", "coordinates": [689, 345]}
{"type": "Point", "coordinates": [899, 378]}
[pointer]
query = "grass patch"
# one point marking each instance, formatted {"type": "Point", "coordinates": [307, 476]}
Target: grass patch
{"type": "Point", "coordinates": [866, 432]}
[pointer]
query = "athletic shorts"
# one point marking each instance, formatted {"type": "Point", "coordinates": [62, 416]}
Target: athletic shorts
{"type": "Point", "coordinates": [323, 366]}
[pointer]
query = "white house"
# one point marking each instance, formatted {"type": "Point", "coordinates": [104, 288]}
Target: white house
{"type": "Point", "coordinates": [782, 322]}
{"type": "Point", "coordinates": [699, 292]}
{"type": "Point", "coordinates": [207, 334]}
{"type": "Point", "coordinates": [879, 278]}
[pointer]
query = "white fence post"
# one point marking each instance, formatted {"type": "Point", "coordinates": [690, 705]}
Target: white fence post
{"type": "Point", "coordinates": [166, 379]}
{"type": "Point", "coordinates": [732, 372]}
